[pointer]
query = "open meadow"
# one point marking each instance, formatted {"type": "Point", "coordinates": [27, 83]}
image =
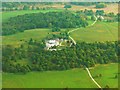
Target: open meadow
{"type": "Point", "coordinates": [62, 79]}
{"type": "Point", "coordinates": [15, 39]}
{"type": "Point", "coordinates": [108, 72]}
{"type": "Point", "coordinates": [101, 31]}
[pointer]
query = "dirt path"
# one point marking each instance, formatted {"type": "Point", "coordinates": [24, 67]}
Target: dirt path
{"type": "Point", "coordinates": [93, 78]}
{"type": "Point", "coordinates": [78, 29]}
{"type": "Point", "coordinates": [75, 44]}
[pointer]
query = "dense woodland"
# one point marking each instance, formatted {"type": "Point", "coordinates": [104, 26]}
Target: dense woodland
{"type": "Point", "coordinates": [64, 19]}
{"type": "Point", "coordinates": [38, 59]}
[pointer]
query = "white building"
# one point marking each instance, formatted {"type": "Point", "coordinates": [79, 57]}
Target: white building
{"type": "Point", "coordinates": [51, 43]}
{"type": "Point", "coordinates": [101, 17]}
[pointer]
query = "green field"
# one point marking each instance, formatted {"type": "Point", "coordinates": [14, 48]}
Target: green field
{"type": "Point", "coordinates": [36, 34]}
{"type": "Point", "coordinates": [108, 72]}
{"type": "Point", "coordinates": [7, 15]}
{"type": "Point", "coordinates": [101, 31]}
{"type": "Point", "coordinates": [75, 78]}
{"type": "Point", "coordinates": [50, 79]}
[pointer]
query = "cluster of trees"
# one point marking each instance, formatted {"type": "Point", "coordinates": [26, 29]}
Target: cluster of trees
{"type": "Point", "coordinates": [11, 6]}
{"type": "Point", "coordinates": [101, 5]}
{"type": "Point", "coordinates": [60, 35]}
{"type": "Point", "coordinates": [100, 12]}
{"type": "Point", "coordinates": [84, 3]}
{"type": "Point", "coordinates": [111, 17]}
{"type": "Point", "coordinates": [85, 12]}
{"type": "Point", "coordinates": [67, 6]}
{"type": "Point", "coordinates": [83, 54]}
{"type": "Point", "coordinates": [55, 29]}
{"type": "Point", "coordinates": [64, 19]}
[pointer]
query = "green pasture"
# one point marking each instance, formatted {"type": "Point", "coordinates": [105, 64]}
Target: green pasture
{"type": "Point", "coordinates": [108, 71]}
{"type": "Point", "coordinates": [74, 78]}
{"type": "Point", "coordinates": [100, 31]}
{"type": "Point", "coordinates": [15, 39]}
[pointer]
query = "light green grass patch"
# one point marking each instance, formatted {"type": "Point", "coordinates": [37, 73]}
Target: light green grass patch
{"type": "Point", "coordinates": [101, 31]}
{"type": "Point", "coordinates": [35, 34]}
{"type": "Point", "coordinates": [108, 72]}
{"type": "Point", "coordinates": [74, 78]}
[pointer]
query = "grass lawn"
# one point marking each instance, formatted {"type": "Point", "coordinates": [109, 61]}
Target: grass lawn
{"type": "Point", "coordinates": [35, 34]}
{"type": "Point", "coordinates": [8, 14]}
{"type": "Point", "coordinates": [74, 78]}
{"type": "Point", "coordinates": [101, 31]}
{"type": "Point", "coordinates": [108, 75]}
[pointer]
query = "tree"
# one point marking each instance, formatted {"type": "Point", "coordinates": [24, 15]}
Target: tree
{"type": "Point", "coordinates": [26, 7]}
{"type": "Point", "coordinates": [67, 6]}
{"type": "Point", "coordinates": [100, 12]}
{"type": "Point", "coordinates": [93, 18]}
{"type": "Point", "coordinates": [116, 76]}
{"type": "Point", "coordinates": [55, 29]}
{"type": "Point", "coordinates": [31, 41]}
{"type": "Point", "coordinates": [100, 5]}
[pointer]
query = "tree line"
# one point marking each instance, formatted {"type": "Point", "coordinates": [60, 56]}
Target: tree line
{"type": "Point", "coordinates": [38, 59]}
{"type": "Point", "coordinates": [64, 19]}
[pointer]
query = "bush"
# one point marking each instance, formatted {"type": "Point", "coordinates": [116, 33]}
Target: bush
{"type": "Point", "coordinates": [67, 6]}
{"type": "Point", "coordinates": [100, 5]}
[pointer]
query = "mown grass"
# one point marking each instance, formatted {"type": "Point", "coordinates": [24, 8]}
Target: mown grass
{"type": "Point", "coordinates": [108, 71]}
{"type": "Point", "coordinates": [101, 31]}
{"type": "Point", "coordinates": [74, 78]}
{"type": "Point", "coordinates": [15, 39]}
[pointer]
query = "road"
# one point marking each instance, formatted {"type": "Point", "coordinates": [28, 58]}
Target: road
{"type": "Point", "coordinates": [78, 29]}
{"type": "Point", "coordinates": [93, 78]}
{"type": "Point", "coordinates": [75, 44]}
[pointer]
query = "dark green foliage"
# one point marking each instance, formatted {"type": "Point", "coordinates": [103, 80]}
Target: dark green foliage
{"type": "Point", "coordinates": [26, 7]}
{"type": "Point", "coordinates": [84, 3]}
{"type": "Point", "coordinates": [67, 6]}
{"type": "Point", "coordinates": [83, 54]}
{"type": "Point", "coordinates": [100, 5]}
{"type": "Point", "coordinates": [65, 19]}
{"type": "Point", "coordinates": [93, 18]}
{"type": "Point", "coordinates": [88, 12]}
{"type": "Point", "coordinates": [100, 12]}
{"type": "Point", "coordinates": [55, 29]}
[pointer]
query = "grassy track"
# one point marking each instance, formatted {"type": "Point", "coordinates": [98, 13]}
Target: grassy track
{"type": "Point", "coordinates": [108, 75]}
{"type": "Point", "coordinates": [50, 79]}
{"type": "Point", "coordinates": [101, 31]}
